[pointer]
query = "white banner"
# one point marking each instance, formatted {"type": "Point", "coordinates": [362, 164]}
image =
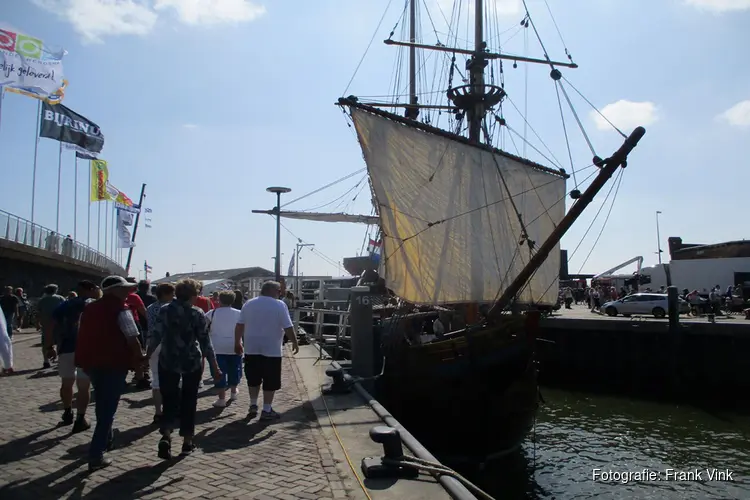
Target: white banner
{"type": "Point", "coordinates": [123, 233]}
{"type": "Point", "coordinates": [125, 217]}
{"type": "Point", "coordinates": [81, 152]}
{"type": "Point", "coordinates": [125, 208]}
{"type": "Point", "coordinates": [27, 64]}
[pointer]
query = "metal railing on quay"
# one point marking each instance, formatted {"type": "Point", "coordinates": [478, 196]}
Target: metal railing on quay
{"type": "Point", "coordinates": [25, 232]}
{"type": "Point", "coordinates": [313, 322]}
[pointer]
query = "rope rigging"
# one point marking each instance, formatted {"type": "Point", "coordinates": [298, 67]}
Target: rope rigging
{"type": "Point", "coordinates": [337, 199]}
{"type": "Point", "coordinates": [375, 33]}
{"type": "Point", "coordinates": [348, 176]}
{"type": "Point", "coordinates": [606, 219]}
{"type": "Point", "coordinates": [611, 188]}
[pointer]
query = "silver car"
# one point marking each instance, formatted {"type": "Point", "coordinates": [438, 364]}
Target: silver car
{"type": "Point", "coordinates": [643, 303]}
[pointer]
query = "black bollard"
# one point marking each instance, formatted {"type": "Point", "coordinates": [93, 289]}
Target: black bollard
{"type": "Point", "coordinates": [673, 307]}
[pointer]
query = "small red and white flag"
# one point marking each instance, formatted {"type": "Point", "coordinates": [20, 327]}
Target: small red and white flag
{"type": "Point", "coordinates": [374, 247]}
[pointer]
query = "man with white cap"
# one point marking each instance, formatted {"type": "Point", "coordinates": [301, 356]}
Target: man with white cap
{"type": "Point", "coordinates": [107, 348]}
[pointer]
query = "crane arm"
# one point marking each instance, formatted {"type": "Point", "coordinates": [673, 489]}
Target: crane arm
{"type": "Point", "coordinates": [638, 259]}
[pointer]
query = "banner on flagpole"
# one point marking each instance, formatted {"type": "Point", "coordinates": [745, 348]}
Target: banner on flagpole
{"type": "Point", "coordinates": [29, 65]}
{"type": "Point", "coordinates": [65, 125]}
{"type": "Point", "coordinates": [55, 97]}
{"type": "Point", "coordinates": [291, 266]}
{"type": "Point", "coordinates": [124, 239]}
{"type": "Point", "coordinates": [125, 208]}
{"type": "Point", "coordinates": [126, 218]}
{"type": "Point", "coordinates": [81, 153]}
{"type": "Point", "coordinates": [99, 180]}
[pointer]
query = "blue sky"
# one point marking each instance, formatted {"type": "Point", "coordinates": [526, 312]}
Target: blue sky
{"type": "Point", "coordinates": [209, 105]}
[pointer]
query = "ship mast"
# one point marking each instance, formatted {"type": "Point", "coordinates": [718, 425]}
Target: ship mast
{"type": "Point", "coordinates": [412, 111]}
{"type": "Point", "coordinates": [476, 66]}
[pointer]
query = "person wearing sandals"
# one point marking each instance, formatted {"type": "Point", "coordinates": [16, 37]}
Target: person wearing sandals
{"type": "Point", "coordinates": [181, 331]}
{"type": "Point", "coordinates": [222, 322]}
{"type": "Point", "coordinates": [164, 295]}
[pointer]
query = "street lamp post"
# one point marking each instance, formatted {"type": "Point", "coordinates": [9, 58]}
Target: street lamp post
{"type": "Point", "coordinates": [277, 212]}
{"type": "Point", "coordinates": [658, 237]}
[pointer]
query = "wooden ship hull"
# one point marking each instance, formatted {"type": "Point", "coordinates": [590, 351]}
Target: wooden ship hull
{"type": "Point", "coordinates": [473, 396]}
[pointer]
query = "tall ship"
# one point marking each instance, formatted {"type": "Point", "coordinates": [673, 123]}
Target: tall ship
{"type": "Point", "coordinates": [469, 233]}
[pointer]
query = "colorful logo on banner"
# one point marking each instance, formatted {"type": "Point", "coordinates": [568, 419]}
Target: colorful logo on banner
{"type": "Point", "coordinates": [55, 97]}
{"type": "Point", "coordinates": [28, 65]}
{"type": "Point", "coordinates": [99, 178]}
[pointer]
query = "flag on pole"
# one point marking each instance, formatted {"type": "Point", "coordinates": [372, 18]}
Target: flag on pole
{"type": "Point", "coordinates": [373, 247]}
{"type": "Point", "coordinates": [99, 180]}
{"type": "Point", "coordinates": [291, 266]}
{"type": "Point", "coordinates": [55, 97]}
{"type": "Point", "coordinates": [146, 268]}
{"type": "Point", "coordinates": [30, 66]}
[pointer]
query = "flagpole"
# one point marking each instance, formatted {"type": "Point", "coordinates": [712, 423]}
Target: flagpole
{"type": "Point", "coordinates": [36, 151]}
{"type": "Point", "coordinates": [106, 226]}
{"type": "Point", "coordinates": [59, 180]}
{"type": "Point", "coordinates": [98, 226]}
{"type": "Point", "coordinates": [88, 217]}
{"type": "Point", "coordinates": [75, 203]}
{"type": "Point", "coordinates": [114, 232]}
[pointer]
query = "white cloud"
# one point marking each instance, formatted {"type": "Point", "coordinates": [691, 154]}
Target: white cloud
{"type": "Point", "coordinates": [738, 115]}
{"type": "Point", "coordinates": [626, 115]}
{"type": "Point", "coordinates": [94, 19]}
{"type": "Point", "coordinates": [720, 5]}
{"type": "Point", "coordinates": [212, 11]}
{"type": "Point", "coordinates": [189, 125]}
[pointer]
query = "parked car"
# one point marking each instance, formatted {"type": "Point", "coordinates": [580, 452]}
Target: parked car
{"type": "Point", "coordinates": [643, 303]}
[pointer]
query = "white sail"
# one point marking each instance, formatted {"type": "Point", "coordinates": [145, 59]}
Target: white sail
{"type": "Point", "coordinates": [331, 217]}
{"type": "Point", "coordinates": [450, 231]}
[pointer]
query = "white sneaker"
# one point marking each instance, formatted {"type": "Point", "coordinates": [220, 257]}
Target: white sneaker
{"type": "Point", "coordinates": [220, 403]}
{"type": "Point", "coordinates": [200, 385]}
{"type": "Point", "coordinates": [233, 396]}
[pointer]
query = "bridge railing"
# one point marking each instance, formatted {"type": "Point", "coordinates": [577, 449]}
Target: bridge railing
{"type": "Point", "coordinates": [24, 232]}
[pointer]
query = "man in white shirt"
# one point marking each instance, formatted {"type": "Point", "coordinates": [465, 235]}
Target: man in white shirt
{"type": "Point", "coordinates": [263, 323]}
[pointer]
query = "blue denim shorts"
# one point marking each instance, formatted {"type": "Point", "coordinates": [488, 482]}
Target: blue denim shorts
{"type": "Point", "coordinates": [231, 369]}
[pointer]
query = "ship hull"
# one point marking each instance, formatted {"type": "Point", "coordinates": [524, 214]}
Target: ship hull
{"type": "Point", "coordinates": [474, 397]}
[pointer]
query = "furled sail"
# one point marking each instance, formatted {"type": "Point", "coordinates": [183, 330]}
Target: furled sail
{"type": "Point", "coordinates": [451, 234]}
{"type": "Point", "coordinates": [334, 217]}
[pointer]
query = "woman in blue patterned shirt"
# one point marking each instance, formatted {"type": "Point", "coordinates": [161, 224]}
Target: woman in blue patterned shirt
{"type": "Point", "coordinates": [182, 332]}
{"type": "Point", "coordinates": [164, 295]}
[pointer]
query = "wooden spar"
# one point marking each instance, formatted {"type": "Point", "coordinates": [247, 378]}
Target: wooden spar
{"type": "Point", "coordinates": [486, 55]}
{"type": "Point", "coordinates": [610, 165]}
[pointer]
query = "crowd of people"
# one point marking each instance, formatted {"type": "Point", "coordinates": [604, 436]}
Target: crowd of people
{"type": "Point", "coordinates": [704, 301]}
{"type": "Point", "coordinates": [164, 336]}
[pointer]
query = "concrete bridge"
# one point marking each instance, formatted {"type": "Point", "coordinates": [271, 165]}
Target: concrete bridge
{"type": "Point", "coordinates": [32, 256]}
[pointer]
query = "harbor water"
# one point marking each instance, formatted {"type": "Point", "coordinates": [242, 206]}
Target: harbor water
{"type": "Point", "coordinates": [579, 439]}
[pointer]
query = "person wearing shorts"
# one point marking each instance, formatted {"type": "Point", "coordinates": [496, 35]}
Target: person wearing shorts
{"type": "Point", "coordinates": [164, 295]}
{"type": "Point", "coordinates": [65, 320]}
{"type": "Point", "coordinates": [222, 322]}
{"type": "Point", "coordinates": [260, 331]}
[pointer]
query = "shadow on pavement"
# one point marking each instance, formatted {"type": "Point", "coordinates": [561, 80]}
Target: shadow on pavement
{"type": "Point", "coordinates": [43, 487]}
{"type": "Point", "coordinates": [21, 448]}
{"type": "Point", "coordinates": [122, 440]}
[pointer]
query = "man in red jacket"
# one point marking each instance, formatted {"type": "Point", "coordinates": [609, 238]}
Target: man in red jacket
{"type": "Point", "coordinates": [106, 350]}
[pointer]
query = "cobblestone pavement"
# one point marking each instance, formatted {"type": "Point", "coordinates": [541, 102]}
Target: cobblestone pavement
{"type": "Point", "coordinates": [287, 459]}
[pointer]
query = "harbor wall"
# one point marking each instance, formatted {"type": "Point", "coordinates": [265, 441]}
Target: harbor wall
{"type": "Point", "coordinates": [696, 362]}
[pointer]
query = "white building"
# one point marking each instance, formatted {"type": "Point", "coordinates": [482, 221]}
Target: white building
{"type": "Point", "coordinates": [702, 267]}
